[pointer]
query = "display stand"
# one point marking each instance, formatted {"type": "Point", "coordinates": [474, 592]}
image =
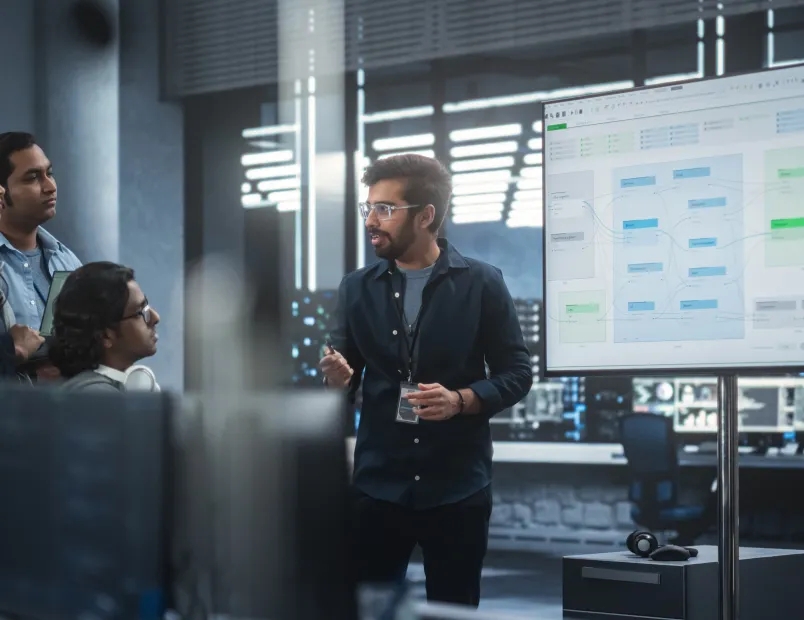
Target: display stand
{"type": "Point", "coordinates": [728, 498]}
{"type": "Point", "coordinates": [631, 180]}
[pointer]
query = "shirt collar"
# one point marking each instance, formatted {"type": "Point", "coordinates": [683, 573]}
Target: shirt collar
{"type": "Point", "coordinates": [449, 258]}
{"type": "Point", "coordinates": [46, 240]}
{"type": "Point", "coordinates": [111, 373]}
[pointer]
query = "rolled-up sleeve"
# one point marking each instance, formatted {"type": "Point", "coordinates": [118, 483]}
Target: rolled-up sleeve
{"type": "Point", "coordinates": [507, 356]}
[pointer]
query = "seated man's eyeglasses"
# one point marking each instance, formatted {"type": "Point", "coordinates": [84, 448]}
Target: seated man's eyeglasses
{"type": "Point", "coordinates": [144, 312]}
{"type": "Point", "coordinates": [383, 210]}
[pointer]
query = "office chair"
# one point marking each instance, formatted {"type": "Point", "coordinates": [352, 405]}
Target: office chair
{"type": "Point", "coordinates": [650, 447]}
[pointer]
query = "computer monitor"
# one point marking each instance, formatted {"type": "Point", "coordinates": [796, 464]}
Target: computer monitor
{"type": "Point", "coordinates": [765, 405]}
{"type": "Point", "coordinates": [83, 526]}
{"type": "Point", "coordinates": [696, 405]}
{"type": "Point", "coordinates": [261, 506]}
{"type": "Point", "coordinates": [654, 395]}
{"type": "Point", "coordinates": [673, 228]}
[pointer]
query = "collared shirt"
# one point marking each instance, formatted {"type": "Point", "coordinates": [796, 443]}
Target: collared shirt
{"type": "Point", "coordinates": [26, 282]}
{"type": "Point", "coordinates": [467, 322]}
{"type": "Point", "coordinates": [112, 373]}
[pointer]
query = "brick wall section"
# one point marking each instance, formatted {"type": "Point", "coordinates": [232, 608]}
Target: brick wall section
{"type": "Point", "coordinates": [550, 504]}
{"type": "Point", "coordinates": [555, 498]}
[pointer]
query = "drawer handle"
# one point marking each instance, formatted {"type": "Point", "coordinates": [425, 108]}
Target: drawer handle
{"type": "Point", "coordinates": [627, 576]}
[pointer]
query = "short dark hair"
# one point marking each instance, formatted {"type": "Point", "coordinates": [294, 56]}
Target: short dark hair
{"type": "Point", "coordinates": [428, 182]}
{"type": "Point", "coordinates": [10, 143]}
{"type": "Point", "coordinates": [92, 300]}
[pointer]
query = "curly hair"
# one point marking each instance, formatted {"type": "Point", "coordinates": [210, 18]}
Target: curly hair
{"type": "Point", "coordinates": [92, 300]}
{"type": "Point", "coordinates": [427, 181]}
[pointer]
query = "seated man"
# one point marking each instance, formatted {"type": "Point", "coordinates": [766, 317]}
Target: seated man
{"type": "Point", "coordinates": [102, 326]}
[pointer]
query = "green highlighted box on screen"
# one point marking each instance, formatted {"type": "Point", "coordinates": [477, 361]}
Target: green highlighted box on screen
{"type": "Point", "coordinates": [583, 308]}
{"type": "Point", "coordinates": [787, 223]}
{"type": "Point", "coordinates": [582, 317]}
{"type": "Point", "coordinates": [791, 173]}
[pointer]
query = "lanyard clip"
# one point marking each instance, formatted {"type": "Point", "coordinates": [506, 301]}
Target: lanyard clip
{"type": "Point", "coordinates": [410, 377]}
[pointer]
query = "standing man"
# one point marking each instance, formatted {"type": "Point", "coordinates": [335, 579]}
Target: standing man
{"type": "Point", "coordinates": [423, 324]}
{"type": "Point", "coordinates": [29, 255]}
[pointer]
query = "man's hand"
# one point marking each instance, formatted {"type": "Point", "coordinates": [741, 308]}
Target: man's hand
{"type": "Point", "coordinates": [47, 372]}
{"type": "Point", "coordinates": [26, 341]}
{"type": "Point", "coordinates": [336, 369]}
{"type": "Point", "coordinates": [434, 402]}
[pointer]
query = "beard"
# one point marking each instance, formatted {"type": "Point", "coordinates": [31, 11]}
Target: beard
{"type": "Point", "coordinates": [392, 247]}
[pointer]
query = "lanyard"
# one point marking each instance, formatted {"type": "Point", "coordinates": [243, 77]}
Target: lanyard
{"type": "Point", "coordinates": [411, 332]}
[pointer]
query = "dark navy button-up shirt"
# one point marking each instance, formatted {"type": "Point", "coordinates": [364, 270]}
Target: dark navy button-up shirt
{"type": "Point", "coordinates": [469, 338]}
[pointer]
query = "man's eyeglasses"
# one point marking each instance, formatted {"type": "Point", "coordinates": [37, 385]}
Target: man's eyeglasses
{"type": "Point", "coordinates": [383, 210]}
{"type": "Point", "coordinates": [144, 312]}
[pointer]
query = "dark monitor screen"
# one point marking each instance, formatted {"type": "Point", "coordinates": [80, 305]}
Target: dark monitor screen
{"type": "Point", "coordinates": [261, 506]}
{"type": "Point", "coordinates": [83, 525]}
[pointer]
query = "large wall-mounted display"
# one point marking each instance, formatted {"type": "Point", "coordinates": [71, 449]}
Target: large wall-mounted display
{"type": "Point", "coordinates": [674, 224]}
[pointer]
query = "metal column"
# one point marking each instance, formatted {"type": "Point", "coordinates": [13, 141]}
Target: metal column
{"type": "Point", "coordinates": [728, 498]}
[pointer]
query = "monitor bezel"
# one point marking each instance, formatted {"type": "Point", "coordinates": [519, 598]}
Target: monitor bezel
{"type": "Point", "coordinates": [681, 371]}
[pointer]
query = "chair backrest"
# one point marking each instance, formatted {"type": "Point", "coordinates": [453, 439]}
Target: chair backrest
{"type": "Point", "coordinates": [650, 447]}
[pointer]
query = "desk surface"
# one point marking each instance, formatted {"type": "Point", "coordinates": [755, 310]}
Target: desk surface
{"type": "Point", "coordinates": [556, 453]}
{"type": "Point", "coordinates": [706, 553]}
{"type": "Point", "coordinates": [441, 611]}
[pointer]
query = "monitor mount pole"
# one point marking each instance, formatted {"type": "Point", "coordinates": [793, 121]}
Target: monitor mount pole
{"type": "Point", "coordinates": [728, 498]}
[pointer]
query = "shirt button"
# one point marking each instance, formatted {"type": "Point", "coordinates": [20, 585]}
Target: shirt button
{"type": "Point", "coordinates": [395, 332]}
{"type": "Point", "coordinates": [395, 294]}
{"type": "Point", "coordinates": [25, 265]}
{"type": "Point", "coordinates": [416, 478]}
{"type": "Point", "coordinates": [33, 303]}
{"type": "Point", "coordinates": [416, 440]}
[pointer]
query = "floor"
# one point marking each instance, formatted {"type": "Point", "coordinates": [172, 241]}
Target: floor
{"type": "Point", "coordinates": [529, 583]}
{"type": "Point", "coordinates": [514, 583]}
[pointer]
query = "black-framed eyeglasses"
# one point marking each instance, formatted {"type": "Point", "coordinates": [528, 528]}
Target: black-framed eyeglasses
{"type": "Point", "coordinates": [383, 210]}
{"type": "Point", "coordinates": [144, 312]}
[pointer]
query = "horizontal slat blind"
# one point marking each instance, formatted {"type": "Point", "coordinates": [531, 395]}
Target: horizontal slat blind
{"type": "Point", "coordinates": [218, 45]}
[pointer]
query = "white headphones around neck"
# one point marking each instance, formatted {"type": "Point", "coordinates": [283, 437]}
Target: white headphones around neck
{"type": "Point", "coordinates": [141, 379]}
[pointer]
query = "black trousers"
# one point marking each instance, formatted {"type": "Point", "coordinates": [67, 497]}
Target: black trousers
{"type": "Point", "coordinates": [453, 540]}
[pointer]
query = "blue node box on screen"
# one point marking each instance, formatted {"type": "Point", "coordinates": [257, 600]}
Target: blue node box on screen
{"type": "Point", "coordinates": [674, 228]}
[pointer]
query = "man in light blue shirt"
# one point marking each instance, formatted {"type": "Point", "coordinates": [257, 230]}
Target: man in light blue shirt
{"type": "Point", "coordinates": [29, 255]}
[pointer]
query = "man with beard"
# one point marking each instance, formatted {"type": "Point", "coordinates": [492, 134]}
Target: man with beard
{"type": "Point", "coordinates": [419, 330]}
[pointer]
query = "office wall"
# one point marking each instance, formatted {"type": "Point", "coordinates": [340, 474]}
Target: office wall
{"type": "Point", "coordinates": [77, 119]}
{"type": "Point", "coordinates": [17, 103]}
{"type": "Point", "coordinates": [116, 148]}
{"type": "Point", "coordinates": [151, 217]}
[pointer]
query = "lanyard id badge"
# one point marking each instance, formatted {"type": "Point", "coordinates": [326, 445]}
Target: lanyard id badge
{"type": "Point", "coordinates": [404, 410]}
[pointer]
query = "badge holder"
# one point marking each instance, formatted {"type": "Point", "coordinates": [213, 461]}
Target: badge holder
{"type": "Point", "coordinates": [405, 412]}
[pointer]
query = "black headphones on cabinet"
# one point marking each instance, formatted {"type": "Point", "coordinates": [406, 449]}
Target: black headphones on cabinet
{"type": "Point", "coordinates": [646, 545]}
